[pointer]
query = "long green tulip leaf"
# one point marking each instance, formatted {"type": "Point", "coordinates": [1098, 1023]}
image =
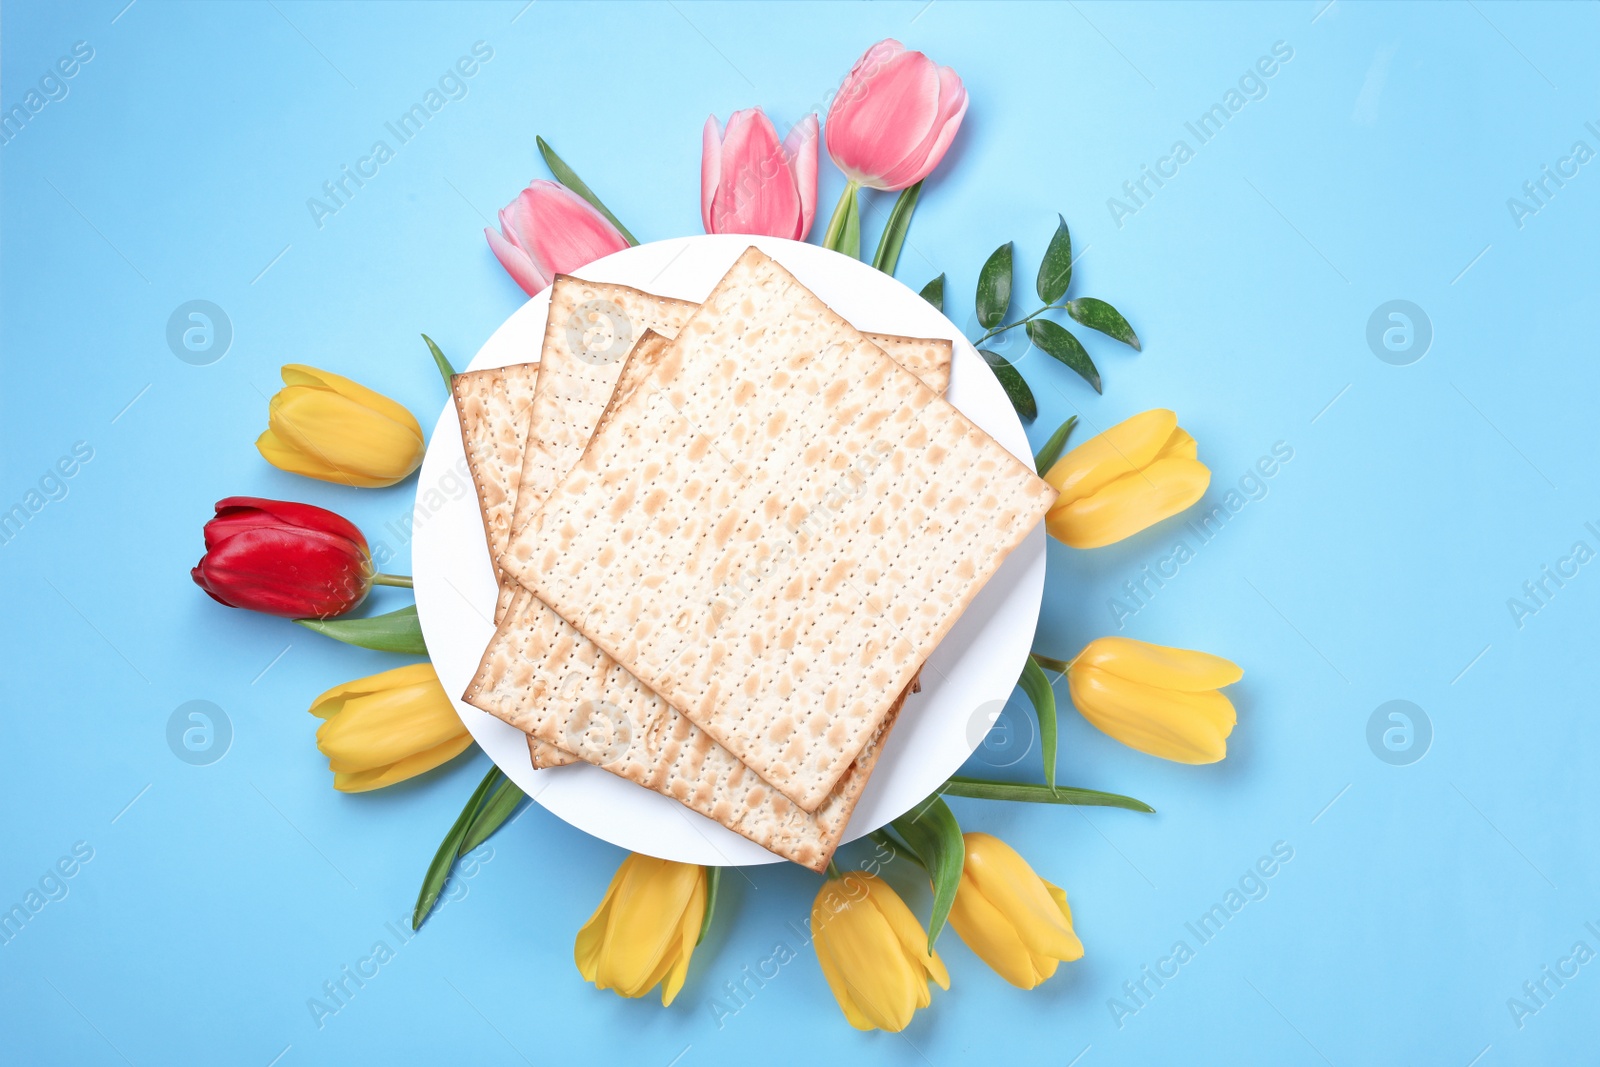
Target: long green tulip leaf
{"type": "Point", "coordinates": [933, 292]}
{"type": "Point", "coordinates": [1012, 382]}
{"type": "Point", "coordinates": [565, 175]}
{"type": "Point", "coordinates": [1046, 457]}
{"type": "Point", "coordinates": [1059, 344]}
{"type": "Point", "coordinates": [1029, 792]}
{"type": "Point", "coordinates": [1099, 315]}
{"type": "Point", "coordinates": [713, 883]}
{"type": "Point", "coordinates": [894, 231]}
{"type": "Point", "coordinates": [844, 228]}
{"type": "Point", "coordinates": [994, 287]}
{"type": "Point", "coordinates": [492, 815]}
{"type": "Point", "coordinates": [396, 631]}
{"type": "Point", "coordinates": [439, 870]}
{"type": "Point", "coordinates": [934, 835]}
{"type": "Point", "coordinates": [1037, 686]}
{"type": "Point", "coordinates": [1055, 272]}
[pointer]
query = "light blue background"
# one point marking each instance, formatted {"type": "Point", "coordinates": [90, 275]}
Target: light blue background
{"type": "Point", "coordinates": [1377, 566]}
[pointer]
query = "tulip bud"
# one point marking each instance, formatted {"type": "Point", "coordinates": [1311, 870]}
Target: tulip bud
{"type": "Point", "coordinates": [874, 954]}
{"type": "Point", "coordinates": [644, 931]}
{"type": "Point", "coordinates": [548, 230]}
{"type": "Point", "coordinates": [387, 727]}
{"type": "Point", "coordinates": [752, 183]}
{"type": "Point", "coordinates": [282, 558]}
{"type": "Point", "coordinates": [326, 426]}
{"type": "Point", "coordinates": [894, 117]}
{"type": "Point", "coordinates": [1159, 700]}
{"type": "Point", "coordinates": [1012, 919]}
{"type": "Point", "coordinates": [1137, 473]}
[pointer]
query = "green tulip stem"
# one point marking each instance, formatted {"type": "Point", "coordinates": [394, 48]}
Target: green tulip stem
{"type": "Point", "coordinates": [1058, 665]}
{"type": "Point", "coordinates": [446, 371]}
{"type": "Point", "coordinates": [1020, 322]}
{"type": "Point", "coordinates": [833, 870]}
{"type": "Point", "coordinates": [401, 580]}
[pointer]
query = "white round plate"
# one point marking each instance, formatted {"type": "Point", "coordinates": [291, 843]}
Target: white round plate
{"type": "Point", "coordinates": [964, 684]}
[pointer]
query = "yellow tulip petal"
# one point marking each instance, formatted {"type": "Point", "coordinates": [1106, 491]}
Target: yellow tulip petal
{"type": "Point", "coordinates": [644, 917]}
{"type": "Point", "coordinates": [1179, 446]}
{"type": "Point", "coordinates": [301, 374]}
{"type": "Point", "coordinates": [688, 932]}
{"type": "Point", "coordinates": [910, 933]}
{"type": "Point", "coordinates": [882, 981]}
{"type": "Point", "coordinates": [1158, 665]}
{"type": "Point", "coordinates": [361, 445]}
{"type": "Point", "coordinates": [331, 702]}
{"type": "Point", "coordinates": [1123, 449]}
{"type": "Point", "coordinates": [591, 937]}
{"type": "Point", "coordinates": [288, 458]}
{"type": "Point", "coordinates": [820, 917]}
{"type": "Point", "coordinates": [1176, 725]}
{"type": "Point", "coordinates": [1129, 504]}
{"type": "Point", "coordinates": [410, 767]}
{"type": "Point", "coordinates": [374, 729]}
{"type": "Point", "coordinates": [1006, 880]}
{"type": "Point", "coordinates": [991, 937]}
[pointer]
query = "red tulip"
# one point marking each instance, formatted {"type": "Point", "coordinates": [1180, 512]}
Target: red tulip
{"type": "Point", "coordinates": [894, 116]}
{"type": "Point", "coordinates": [550, 230]}
{"type": "Point", "coordinates": [283, 559]}
{"type": "Point", "coordinates": [752, 183]}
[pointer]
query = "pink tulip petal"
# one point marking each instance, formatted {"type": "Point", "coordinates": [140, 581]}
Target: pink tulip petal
{"type": "Point", "coordinates": [566, 231]}
{"type": "Point", "coordinates": [516, 263]}
{"type": "Point", "coordinates": [710, 168]}
{"type": "Point", "coordinates": [801, 148]}
{"type": "Point", "coordinates": [757, 192]}
{"type": "Point", "coordinates": [883, 117]}
{"type": "Point", "coordinates": [952, 108]}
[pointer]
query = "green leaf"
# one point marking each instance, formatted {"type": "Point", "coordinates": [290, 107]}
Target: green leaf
{"type": "Point", "coordinates": [1046, 457]}
{"type": "Point", "coordinates": [564, 174]}
{"type": "Point", "coordinates": [1037, 686]}
{"type": "Point", "coordinates": [984, 789]}
{"type": "Point", "coordinates": [1011, 380]}
{"type": "Point", "coordinates": [933, 292]}
{"type": "Point", "coordinates": [994, 287]}
{"type": "Point", "coordinates": [444, 859]}
{"type": "Point", "coordinates": [1099, 315]}
{"type": "Point", "coordinates": [1055, 273]}
{"type": "Point", "coordinates": [894, 231]}
{"type": "Point", "coordinates": [934, 835]}
{"type": "Point", "coordinates": [844, 229]}
{"type": "Point", "coordinates": [446, 371]}
{"type": "Point", "coordinates": [492, 815]}
{"type": "Point", "coordinates": [713, 883]}
{"type": "Point", "coordinates": [1057, 342]}
{"type": "Point", "coordinates": [397, 631]}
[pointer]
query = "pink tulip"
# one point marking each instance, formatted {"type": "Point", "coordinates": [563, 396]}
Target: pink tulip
{"type": "Point", "coordinates": [894, 117]}
{"type": "Point", "coordinates": [750, 183]}
{"type": "Point", "coordinates": [550, 230]}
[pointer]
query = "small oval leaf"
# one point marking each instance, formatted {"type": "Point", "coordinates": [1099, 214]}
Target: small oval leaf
{"type": "Point", "coordinates": [1046, 457]}
{"type": "Point", "coordinates": [933, 292]}
{"type": "Point", "coordinates": [397, 631]}
{"type": "Point", "coordinates": [1012, 382]}
{"type": "Point", "coordinates": [1058, 343]}
{"type": "Point", "coordinates": [994, 287]}
{"type": "Point", "coordinates": [934, 835]}
{"type": "Point", "coordinates": [1055, 273]}
{"type": "Point", "coordinates": [1099, 315]}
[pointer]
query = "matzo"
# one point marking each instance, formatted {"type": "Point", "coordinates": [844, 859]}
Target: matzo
{"type": "Point", "coordinates": [776, 531]}
{"type": "Point", "coordinates": [493, 407]}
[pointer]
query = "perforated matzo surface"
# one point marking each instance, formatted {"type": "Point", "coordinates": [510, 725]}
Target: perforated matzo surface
{"type": "Point", "coordinates": [777, 529]}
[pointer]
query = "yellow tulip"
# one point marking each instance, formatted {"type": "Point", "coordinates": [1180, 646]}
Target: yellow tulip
{"type": "Point", "coordinates": [645, 929]}
{"type": "Point", "coordinates": [329, 427]}
{"type": "Point", "coordinates": [1014, 921]}
{"type": "Point", "coordinates": [873, 952]}
{"type": "Point", "coordinates": [1137, 473]}
{"type": "Point", "coordinates": [387, 727]}
{"type": "Point", "coordinates": [1159, 700]}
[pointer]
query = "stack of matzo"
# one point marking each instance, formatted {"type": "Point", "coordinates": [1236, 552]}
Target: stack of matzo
{"type": "Point", "coordinates": [738, 530]}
